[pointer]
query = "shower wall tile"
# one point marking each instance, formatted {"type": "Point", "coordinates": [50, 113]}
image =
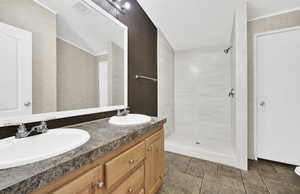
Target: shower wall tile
{"type": "Point", "coordinates": [202, 82]}
{"type": "Point", "coordinates": [166, 65]}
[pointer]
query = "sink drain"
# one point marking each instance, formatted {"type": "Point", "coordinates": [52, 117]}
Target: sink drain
{"type": "Point", "coordinates": [197, 143]}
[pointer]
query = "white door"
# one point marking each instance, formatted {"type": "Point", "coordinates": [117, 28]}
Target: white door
{"type": "Point", "coordinates": [15, 71]}
{"type": "Point", "coordinates": [278, 96]}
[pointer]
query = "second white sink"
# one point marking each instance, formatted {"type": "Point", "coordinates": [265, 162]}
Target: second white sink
{"type": "Point", "coordinates": [130, 119]}
{"type": "Point", "coordinates": [16, 152]}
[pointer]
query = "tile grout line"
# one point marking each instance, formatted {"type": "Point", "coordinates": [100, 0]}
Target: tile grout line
{"type": "Point", "coordinates": [261, 178]}
{"type": "Point", "coordinates": [189, 163]}
{"type": "Point", "coordinates": [202, 182]}
{"type": "Point", "coordinates": [243, 182]}
{"type": "Point", "coordinates": [265, 185]}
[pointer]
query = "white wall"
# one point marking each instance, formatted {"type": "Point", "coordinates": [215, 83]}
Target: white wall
{"type": "Point", "coordinates": [117, 74]}
{"type": "Point", "coordinates": [202, 81]}
{"type": "Point", "coordinates": [74, 63]}
{"type": "Point", "coordinates": [166, 80]}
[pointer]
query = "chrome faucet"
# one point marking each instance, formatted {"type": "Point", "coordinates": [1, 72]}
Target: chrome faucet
{"type": "Point", "coordinates": [123, 112]}
{"type": "Point", "coordinates": [22, 131]}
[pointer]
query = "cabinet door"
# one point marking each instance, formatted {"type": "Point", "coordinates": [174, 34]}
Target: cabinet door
{"type": "Point", "coordinates": [154, 162]}
{"type": "Point", "coordinates": [134, 184]}
{"type": "Point", "coordinates": [88, 183]}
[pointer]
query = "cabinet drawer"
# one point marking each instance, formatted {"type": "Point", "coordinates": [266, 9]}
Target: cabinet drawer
{"type": "Point", "coordinates": [133, 185]}
{"type": "Point", "coordinates": [84, 183]}
{"type": "Point", "coordinates": [121, 165]}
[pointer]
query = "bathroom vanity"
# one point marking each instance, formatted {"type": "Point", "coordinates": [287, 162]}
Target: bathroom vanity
{"type": "Point", "coordinates": [83, 77]}
{"type": "Point", "coordinates": [116, 159]}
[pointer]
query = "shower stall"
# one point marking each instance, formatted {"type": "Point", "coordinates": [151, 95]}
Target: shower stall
{"type": "Point", "coordinates": [211, 100]}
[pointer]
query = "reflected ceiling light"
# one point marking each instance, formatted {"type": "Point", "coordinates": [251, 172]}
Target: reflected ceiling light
{"type": "Point", "coordinates": [126, 6]}
{"type": "Point", "coordinates": [119, 5]}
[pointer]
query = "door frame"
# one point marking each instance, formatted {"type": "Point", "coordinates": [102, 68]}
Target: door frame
{"type": "Point", "coordinates": [256, 83]}
{"type": "Point", "coordinates": [241, 86]}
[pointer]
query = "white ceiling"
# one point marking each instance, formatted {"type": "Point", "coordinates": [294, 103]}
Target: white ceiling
{"type": "Point", "coordinates": [85, 27]}
{"type": "Point", "coordinates": [205, 24]}
{"type": "Point", "coordinates": [192, 24]}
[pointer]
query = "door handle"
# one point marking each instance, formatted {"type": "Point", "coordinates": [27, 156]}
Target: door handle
{"type": "Point", "coordinates": [231, 94]}
{"type": "Point", "coordinates": [262, 103]}
{"type": "Point", "coordinates": [27, 104]}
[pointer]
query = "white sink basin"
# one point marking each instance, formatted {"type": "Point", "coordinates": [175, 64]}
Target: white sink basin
{"type": "Point", "coordinates": [18, 152]}
{"type": "Point", "coordinates": [130, 119]}
{"type": "Point", "coordinates": [297, 170]}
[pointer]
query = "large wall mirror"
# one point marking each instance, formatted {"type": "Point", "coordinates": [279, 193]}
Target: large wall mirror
{"type": "Point", "coordinates": [60, 58]}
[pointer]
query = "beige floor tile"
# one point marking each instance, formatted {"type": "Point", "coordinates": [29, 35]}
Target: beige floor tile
{"type": "Point", "coordinates": [177, 182]}
{"type": "Point", "coordinates": [229, 172]}
{"type": "Point", "coordinates": [176, 162]}
{"type": "Point", "coordinates": [196, 168]}
{"type": "Point", "coordinates": [252, 179]}
{"type": "Point", "coordinates": [221, 184]}
{"type": "Point", "coordinates": [284, 168]}
{"type": "Point", "coordinates": [277, 187]}
{"type": "Point", "coordinates": [190, 176]}
{"type": "Point", "coordinates": [253, 190]}
{"type": "Point", "coordinates": [262, 166]}
{"type": "Point", "coordinates": [282, 177]}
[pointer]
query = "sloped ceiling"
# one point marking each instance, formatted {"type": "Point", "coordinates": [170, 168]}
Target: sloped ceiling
{"type": "Point", "coordinates": [205, 24]}
{"type": "Point", "coordinates": [85, 27]}
{"type": "Point", "coordinates": [192, 24]}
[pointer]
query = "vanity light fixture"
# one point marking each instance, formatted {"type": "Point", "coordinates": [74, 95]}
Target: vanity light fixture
{"type": "Point", "coordinates": [119, 5]}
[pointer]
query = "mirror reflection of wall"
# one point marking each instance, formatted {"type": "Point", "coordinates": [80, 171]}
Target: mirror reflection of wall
{"type": "Point", "coordinates": [78, 57]}
{"type": "Point", "coordinates": [111, 71]}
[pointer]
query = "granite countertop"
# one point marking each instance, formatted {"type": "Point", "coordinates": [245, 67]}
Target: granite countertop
{"type": "Point", "coordinates": [104, 139]}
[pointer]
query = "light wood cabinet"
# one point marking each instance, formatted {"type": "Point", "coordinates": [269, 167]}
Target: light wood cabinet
{"type": "Point", "coordinates": [121, 165]}
{"type": "Point", "coordinates": [154, 162]}
{"type": "Point", "coordinates": [134, 184]}
{"type": "Point", "coordinates": [88, 183]}
{"type": "Point", "coordinates": [135, 168]}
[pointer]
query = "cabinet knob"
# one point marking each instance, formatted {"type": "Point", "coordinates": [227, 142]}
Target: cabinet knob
{"type": "Point", "coordinates": [130, 190]}
{"type": "Point", "coordinates": [100, 185]}
{"type": "Point", "coordinates": [131, 161]}
{"type": "Point", "coordinates": [149, 149]}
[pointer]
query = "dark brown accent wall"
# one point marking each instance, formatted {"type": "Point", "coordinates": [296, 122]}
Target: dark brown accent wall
{"type": "Point", "coordinates": [142, 94]}
{"type": "Point", "coordinates": [142, 60]}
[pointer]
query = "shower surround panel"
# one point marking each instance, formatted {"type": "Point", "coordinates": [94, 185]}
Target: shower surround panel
{"type": "Point", "coordinates": [202, 108]}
